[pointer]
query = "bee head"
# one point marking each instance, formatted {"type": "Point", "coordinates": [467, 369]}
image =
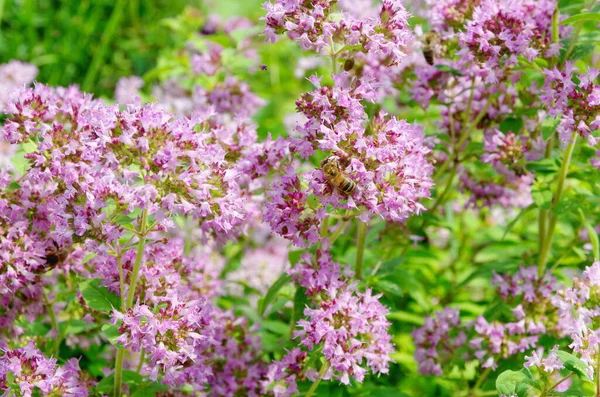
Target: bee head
{"type": "Point", "coordinates": [330, 170]}
{"type": "Point", "coordinates": [330, 166]}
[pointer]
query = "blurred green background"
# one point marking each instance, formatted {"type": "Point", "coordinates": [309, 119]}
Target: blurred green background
{"type": "Point", "coordinates": [92, 43]}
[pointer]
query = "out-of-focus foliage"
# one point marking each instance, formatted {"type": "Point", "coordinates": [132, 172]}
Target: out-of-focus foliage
{"type": "Point", "coordinates": [490, 288]}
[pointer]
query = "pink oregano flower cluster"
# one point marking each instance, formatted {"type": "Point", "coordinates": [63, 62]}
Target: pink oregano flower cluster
{"type": "Point", "coordinates": [445, 337]}
{"type": "Point", "coordinates": [27, 372]}
{"type": "Point", "coordinates": [575, 97]}
{"type": "Point", "coordinates": [385, 157]}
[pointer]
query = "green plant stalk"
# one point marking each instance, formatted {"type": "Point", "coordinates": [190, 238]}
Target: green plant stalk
{"type": "Point", "coordinates": [121, 279]}
{"type": "Point", "coordinates": [53, 321]}
{"type": "Point", "coordinates": [334, 236]}
{"type": "Point", "coordinates": [119, 371]}
{"type": "Point", "coordinates": [139, 259]}
{"type": "Point", "coordinates": [1, 10]}
{"type": "Point", "coordinates": [463, 138]}
{"type": "Point", "coordinates": [324, 227]}
{"type": "Point", "coordinates": [554, 386]}
{"type": "Point", "coordinates": [361, 235]}
{"type": "Point", "coordinates": [487, 393]}
{"type": "Point", "coordinates": [333, 57]}
{"type": "Point", "coordinates": [473, 125]}
{"type": "Point", "coordinates": [555, 17]}
{"type": "Point", "coordinates": [480, 380]}
{"type": "Point", "coordinates": [110, 30]}
{"type": "Point", "coordinates": [130, 296]}
{"type": "Point", "coordinates": [547, 240]}
{"type": "Point", "coordinates": [440, 198]}
{"type": "Point", "coordinates": [543, 215]}
{"type": "Point", "coordinates": [592, 234]}
{"type": "Point", "coordinates": [598, 374]}
{"type": "Point", "coordinates": [141, 362]}
{"type": "Point", "coordinates": [542, 228]}
{"type": "Point", "coordinates": [315, 384]}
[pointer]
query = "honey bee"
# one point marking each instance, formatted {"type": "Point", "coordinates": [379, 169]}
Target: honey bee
{"type": "Point", "coordinates": [54, 257]}
{"type": "Point", "coordinates": [430, 41]}
{"type": "Point", "coordinates": [336, 177]}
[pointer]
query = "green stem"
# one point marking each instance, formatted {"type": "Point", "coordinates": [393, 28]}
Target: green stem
{"type": "Point", "coordinates": [542, 228]}
{"type": "Point", "coordinates": [481, 379]}
{"type": "Point", "coordinates": [547, 242]}
{"type": "Point", "coordinates": [361, 235]}
{"type": "Point", "coordinates": [315, 384]}
{"type": "Point", "coordinates": [554, 386]}
{"type": "Point", "coordinates": [543, 216]}
{"type": "Point", "coordinates": [131, 295]}
{"type": "Point", "coordinates": [139, 259]}
{"type": "Point", "coordinates": [109, 31]}
{"type": "Point", "coordinates": [1, 10]}
{"type": "Point", "coordinates": [141, 362]}
{"type": "Point", "coordinates": [334, 236]}
{"type": "Point", "coordinates": [555, 16]}
{"type": "Point", "coordinates": [333, 57]}
{"type": "Point", "coordinates": [121, 279]}
{"type": "Point", "coordinates": [598, 374]}
{"type": "Point", "coordinates": [53, 321]}
{"type": "Point", "coordinates": [324, 227]}
{"type": "Point", "coordinates": [463, 138]}
{"type": "Point", "coordinates": [473, 125]}
{"type": "Point", "coordinates": [575, 36]}
{"type": "Point", "coordinates": [119, 371]}
{"type": "Point", "coordinates": [487, 393]}
{"type": "Point", "coordinates": [440, 198]}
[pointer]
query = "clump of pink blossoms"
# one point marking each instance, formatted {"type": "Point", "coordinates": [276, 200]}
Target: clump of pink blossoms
{"type": "Point", "coordinates": [27, 372]}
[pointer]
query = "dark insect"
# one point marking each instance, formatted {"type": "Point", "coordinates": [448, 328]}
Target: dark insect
{"type": "Point", "coordinates": [430, 41]}
{"type": "Point", "coordinates": [348, 65]}
{"type": "Point", "coordinates": [54, 258]}
{"type": "Point", "coordinates": [336, 177]}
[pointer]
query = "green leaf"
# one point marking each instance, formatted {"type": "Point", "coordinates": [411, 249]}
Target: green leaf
{"type": "Point", "coordinates": [542, 196]}
{"type": "Point", "coordinates": [148, 389]}
{"type": "Point", "coordinates": [518, 383]}
{"type": "Point", "coordinates": [13, 186]}
{"type": "Point", "coordinates": [10, 380]}
{"type": "Point", "coordinates": [98, 297]}
{"type": "Point", "coordinates": [570, 204]}
{"type": "Point", "coordinates": [124, 220]}
{"type": "Point", "coordinates": [511, 124]}
{"type": "Point", "coordinates": [446, 68]}
{"type": "Point", "coordinates": [300, 300]}
{"type": "Point", "coordinates": [388, 287]}
{"type": "Point", "coordinates": [106, 385]}
{"type": "Point", "coordinates": [573, 364]}
{"type": "Point", "coordinates": [406, 317]}
{"type": "Point", "coordinates": [74, 327]}
{"type": "Point", "coordinates": [272, 292]}
{"type": "Point", "coordinates": [581, 51]}
{"type": "Point", "coordinates": [570, 393]}
{"type": "Point", "coordinates": [592, 234]}
{"type": "Point", "coordinates": [514, 221]}
{"type": "Point", "coordinates": [373, 233]}
{"type": "Point", "coordinates": [111, 332]}
{"type": "Point", "coordinates": [33, 328]}
{"type": "Point", "coordinates": [579, 18]}
{"type": "Point", "coordinates": [240, 34]}
{"type": "Point", "coordinates": [277, 327]}
{"type": "Point", "coordinates": [294, 256]}
{"type": "Point", "coordinates": [545, 166]}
